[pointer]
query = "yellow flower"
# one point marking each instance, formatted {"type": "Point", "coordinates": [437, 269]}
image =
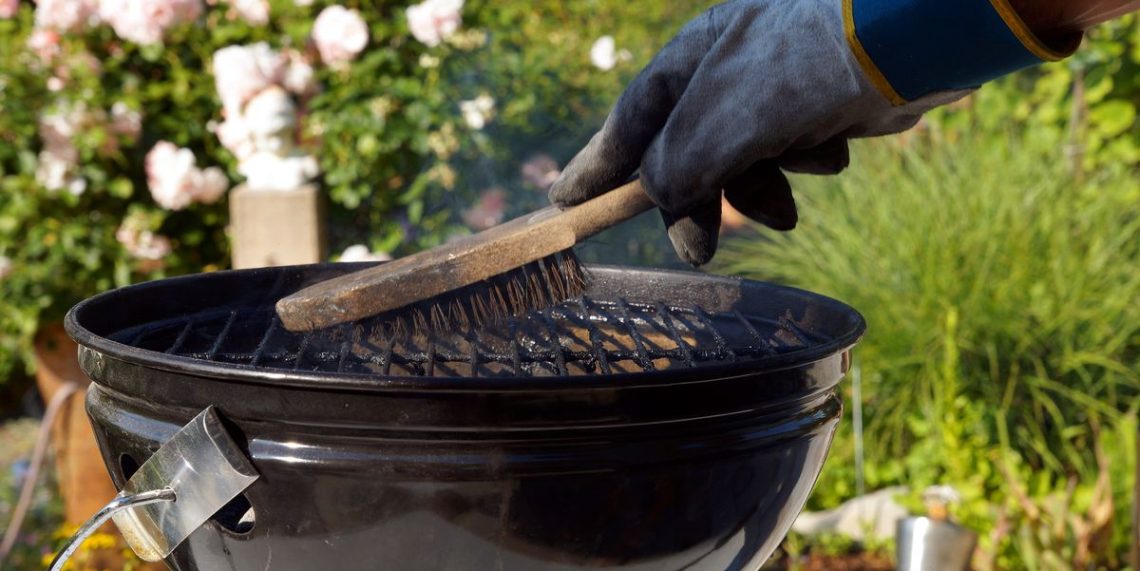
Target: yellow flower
{"type": "Point", "coordinates": [443, 174]}
{"type": "Point", "coordinates": [443, 142]}
{"type": "Point", "coordinates": [99, 541]}
{"type": "Point", "coordinates": [65, 531]}
{"type": "Point", "coordinates": [46, 560]}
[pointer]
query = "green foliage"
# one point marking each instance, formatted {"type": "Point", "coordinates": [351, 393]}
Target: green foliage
{"type": "Point", "coordinates": [398, 161]}
{"type": "Point", "coordinates": [1001, 301]}
{"type": "Point", "coordinates": [45, 511]}
{"type": "Point", "coordinates": [996, 255]}
{"type": "Point", "coordinates": [1086, 105]}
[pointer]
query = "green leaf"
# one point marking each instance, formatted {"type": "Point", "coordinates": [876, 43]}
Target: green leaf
{"type": "Point", "coordinates": [415, 211]}
{"type": "Point", "coordinates": [1113, 117]}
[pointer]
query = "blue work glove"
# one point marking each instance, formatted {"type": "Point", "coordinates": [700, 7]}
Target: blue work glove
{"type": "Point", "coordinates": [746, 91]}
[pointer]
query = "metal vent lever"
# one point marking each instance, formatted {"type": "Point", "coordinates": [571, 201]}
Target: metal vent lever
{"type": "Point", "coordinates": [192, 476]}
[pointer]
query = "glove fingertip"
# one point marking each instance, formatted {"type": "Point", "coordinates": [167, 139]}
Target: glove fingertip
{"type": "Point", "coordinates": [764, 194]}
{"type": "Point", "coordinates": [564, 192]}
{"type": "Point", "coordinates": [695, 236]}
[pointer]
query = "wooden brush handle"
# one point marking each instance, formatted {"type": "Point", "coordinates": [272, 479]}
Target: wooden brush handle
{"type": "Point", "coordinates": [607, 210]}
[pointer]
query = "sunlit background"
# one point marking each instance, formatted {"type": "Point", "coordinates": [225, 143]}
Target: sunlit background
{"type": "Point", "coordinates": [995, 249]}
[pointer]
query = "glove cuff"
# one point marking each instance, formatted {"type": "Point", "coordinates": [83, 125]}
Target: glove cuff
{"type": "Point", "coordinates": [912, 48]}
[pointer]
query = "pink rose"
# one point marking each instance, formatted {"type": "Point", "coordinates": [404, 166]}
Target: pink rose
{"type": "Point", "coordinates": [125, 122]}
{"type": "Point", "coordinates": [146, 21]}
{"type": "Point", "coordinates": [255, 12]}
{"type": "Point", "coordinates": [488, 211]}
{"type": "Point", "coordinates": [340, 35]}
{"type": "Point", "coordinates": [433, 21]}
{"type": "Point", "coordinates": [59, 159]}
{"type": "Point", "coordinates": [540, 171]}
{"type": "Point", "coordinates": [143, 244]}
{"type": "Point", "coordinates": [240, 72]}
{"type": "Point", "coordinates": [175, 181]}
{"type": "Point", "coordinates": [65, 15]}
{"type": "Point", "coordinates": [8, 8]}
{"type": "Point", "coordinates": [44, 43]}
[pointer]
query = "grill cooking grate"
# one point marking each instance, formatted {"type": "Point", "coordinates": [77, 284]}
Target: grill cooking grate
{"type": "Point", "coordinates": [584, 336]}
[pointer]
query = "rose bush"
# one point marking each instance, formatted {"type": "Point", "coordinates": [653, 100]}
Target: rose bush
{"type": "Point", "coordinates": [126, 121]}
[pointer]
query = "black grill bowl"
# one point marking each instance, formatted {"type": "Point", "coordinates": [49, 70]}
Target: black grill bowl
{"type": "Point", "coordinates": [539, 456]}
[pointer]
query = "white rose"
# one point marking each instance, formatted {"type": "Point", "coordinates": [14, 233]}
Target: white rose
{"type": "Point", "coordinates": [270, 113]}
{"type": "Point", "coordinates": [234, 135]}
{"type": "Point", "coordinates": [433, 21]}
{"type": "Point", "coordinates": [605, 55]}
{"type": "Point", "coordinates": [52, 172]}
{"type": "Point", "coordinates": [298, 77]}
{"type": "Point", "coordinates": [477, 112]}
{"type": "Point", "coordinates": [241, 72]}
{"type": "Point", "coordinates": [361, 253]}
{"type": "Point", "coordinates": [255, 12]}
{"type": "Point", "coordinates": [146, 21]}
{"type": "Point", "coordinates": [340, 35]}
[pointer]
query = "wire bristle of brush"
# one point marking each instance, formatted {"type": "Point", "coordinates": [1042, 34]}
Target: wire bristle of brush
{"type": "Point", "coordinates": [534, 286]}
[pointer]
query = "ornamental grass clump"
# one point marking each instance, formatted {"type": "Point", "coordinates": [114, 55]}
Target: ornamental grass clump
{"type": "Point", "coordinates": [1002, 306]}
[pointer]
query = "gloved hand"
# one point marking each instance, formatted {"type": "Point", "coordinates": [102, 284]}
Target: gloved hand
{"type": "Point", "coordinates": [745, 91]}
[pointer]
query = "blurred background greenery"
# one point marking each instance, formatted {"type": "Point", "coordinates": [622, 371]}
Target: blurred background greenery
{"type": "Point", "coordinates": [995, 253]}
{"type": "Point", "coordinates": [995, 249]}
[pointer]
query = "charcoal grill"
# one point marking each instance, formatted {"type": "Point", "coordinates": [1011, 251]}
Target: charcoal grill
{"type": "Point", "coordinates": [664, 420]}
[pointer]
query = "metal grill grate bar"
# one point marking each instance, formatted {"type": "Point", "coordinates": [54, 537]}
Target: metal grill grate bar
{"type": "Point", "coordinates": [594, 334]}
{"type": "Point", "coordinates": [667, 317]}
{"type": "Point", "coordinates": [721, 344]}
{"type": "Point", "coordinates": [473, 339]}
{"type": "Point", "coordinates": [516, 349]}
{"type": "Point", "coordinates": [352, 337]}
{"type": "Point", "coordinates": [430, 369]}
{"type": "Point", "coordinates": [386, 359]}
{"type": "Point", "coordinates": [222, 336]}
{"type": "Point", "coordinates": [639, 340]}
{"type": "Point", "coordinates": [790, 326]}
{"type": "Point", "coordinates": [182, 335]}
{"type": "Point", "coordinates": [305, 341]}
{"type": "Point", "coordinates": [759, 340]}
{"type": "Point", "coordinates": [556, 342]}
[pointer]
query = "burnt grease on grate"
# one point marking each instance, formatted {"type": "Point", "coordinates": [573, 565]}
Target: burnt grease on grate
{"type": "Point", "coordinates": [584, 336]}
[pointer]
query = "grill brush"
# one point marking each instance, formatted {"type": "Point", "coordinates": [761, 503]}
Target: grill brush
{"type": "Point", "coordinates": [522, 265]}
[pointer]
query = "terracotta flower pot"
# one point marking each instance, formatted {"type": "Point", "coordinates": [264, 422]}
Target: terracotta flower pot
{"type": "Point", "coordinates": [84, 483]}
{"type": "Point", "coordinates": [83, 480]}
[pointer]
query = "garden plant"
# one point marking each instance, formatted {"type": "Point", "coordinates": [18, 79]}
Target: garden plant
{"type": "Point", "coordinates": [995, 252]}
